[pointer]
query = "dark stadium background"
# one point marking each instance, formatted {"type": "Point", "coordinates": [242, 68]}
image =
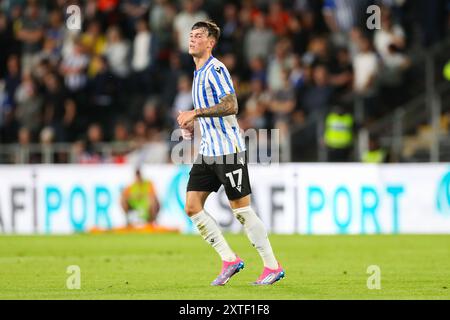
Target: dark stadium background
{"type": "Point", "coordinates": [292, 63]}
{"type": "Point", "coordinates": [365, 82]}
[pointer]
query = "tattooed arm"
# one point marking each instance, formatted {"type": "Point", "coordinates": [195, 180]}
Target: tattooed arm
{"type": "Point", "coordinates": [227, 106]}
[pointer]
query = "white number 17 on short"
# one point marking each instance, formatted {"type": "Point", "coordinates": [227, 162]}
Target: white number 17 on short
{"type": "Point", "coordinates": [229, 175]}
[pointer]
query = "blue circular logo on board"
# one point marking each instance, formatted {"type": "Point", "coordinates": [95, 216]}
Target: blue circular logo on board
{"type": "Point", "coordinates": [443, 195]}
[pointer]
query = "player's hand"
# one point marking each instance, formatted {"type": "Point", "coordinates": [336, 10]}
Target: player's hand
{"type": "Point", "coordinates": [186, 119]}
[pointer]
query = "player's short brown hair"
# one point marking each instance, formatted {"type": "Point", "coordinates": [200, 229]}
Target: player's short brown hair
{"type": "Point", "coordinates": [210, 26]}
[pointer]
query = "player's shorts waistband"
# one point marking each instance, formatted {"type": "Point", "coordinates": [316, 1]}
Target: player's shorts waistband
{"type": "Point", "coordinates": [232, 158]}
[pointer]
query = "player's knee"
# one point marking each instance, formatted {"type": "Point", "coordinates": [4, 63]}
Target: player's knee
{"type": "Point", "coordinates": [192, 209]}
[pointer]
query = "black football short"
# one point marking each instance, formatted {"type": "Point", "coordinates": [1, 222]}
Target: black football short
{"type": "Point", "coordinates": [209, 173]}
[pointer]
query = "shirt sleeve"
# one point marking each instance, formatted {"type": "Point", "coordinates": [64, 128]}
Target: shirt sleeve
{"type": "Point", "coordinates": [221, 82]}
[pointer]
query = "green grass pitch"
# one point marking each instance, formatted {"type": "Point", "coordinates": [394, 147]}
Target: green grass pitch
{"type": "Point", "coordinates": [171, 266]}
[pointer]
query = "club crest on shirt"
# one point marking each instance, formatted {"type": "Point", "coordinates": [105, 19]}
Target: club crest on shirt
{"type": "Point", "coordinates": [217, 69]}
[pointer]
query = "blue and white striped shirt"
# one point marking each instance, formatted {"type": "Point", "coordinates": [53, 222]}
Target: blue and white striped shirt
{"type": "Point", "coordinates": [220, 135]}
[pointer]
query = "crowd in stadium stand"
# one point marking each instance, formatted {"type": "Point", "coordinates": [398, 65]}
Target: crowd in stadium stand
{"type": "Point", "coordinates": [125, 75]}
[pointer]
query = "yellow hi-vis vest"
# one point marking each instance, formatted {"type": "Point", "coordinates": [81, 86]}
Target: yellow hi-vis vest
{"type": "Point", "coordinates": [446, 71]}
{"type": "Point", "coordinates": [375, 156]}
{"type": "Point", "coordinates": [138, 196]}
{"type": "Point", "coordinates": [338, 130]}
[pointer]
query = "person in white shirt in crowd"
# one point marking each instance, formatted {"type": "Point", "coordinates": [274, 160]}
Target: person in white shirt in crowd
{"type": "Point", "coordinates": [144, 56]}
{"type": "Point", "coordinates": [366, 68]}
{"type": "Point", "coordinates": [117, 52]}
{"type": "Point", "coordinates": [182, 27]}
{"type": "Point", "coordinates": [389, 42]}
{"type": "Point", "coordinates": [281, 60]}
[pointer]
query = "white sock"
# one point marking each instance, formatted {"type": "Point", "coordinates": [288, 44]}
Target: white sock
{"type": "Point", "coordinates": [257, 234]}
{"type": "Point", "coordinates": [210, 231]}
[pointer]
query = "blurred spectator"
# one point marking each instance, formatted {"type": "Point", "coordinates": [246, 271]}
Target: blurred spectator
{"type": "Point", "coordinates": [54, 96]}
{"type": "Point", "coordinates": [121, 133]}
{"type": "Point", "coordinates": [89, 148]}
{"type": "Point", "coordinates": [446, 71]}
{"type": "Point", "coordinates": [433, 17]}
{"type": "Point", "coordinates": [282, 104]}
{"type": "Point", "coordinates": [120, 142]}
{"type": "Point", "coordinates": [108, 11]}
{"type": "Point", "coordinates": [390, 42]}
{"type": "Point", "coordinates": [41, 70]}
{"type": "Point", "coordinates": [171, 76]}
{"type": "Point", "coordinates": [8, 123]}
{"type": "Point", "coordinates": [182, 25]}
{"type": "Point", "coordinates": [49, 53]}
{"type": "Point", "coordinates": [55, 32]}
{"type": "Point", "coordinates": [278, 18]}
{"type": "Point", "coordinates": [232, 34]}
{"type": "Point", "coordinates": [30, 31]}
{"type": "Point", "coordinates": [24, 137]}
{"type": "Point", "coordinates": [94, 43]}
{"type": "Point", "coordinates": [258, 70]}
{"type": "Point", "coordinates": [389, 34]}
{"type": "Point", "coordinates": [139, 136]}
{"type": "Point", "coordinates": [281, 60]}
{"type": "Point", "coordinates": [74, 68]}
{"type": "Point", "coordinates": [90, 10]}
{"type": "Point", "coordinates": [375, 153]}
{"type": "Point", "coordinates": [259, 39]}
{"type": "Point", "coordinates": [183, 99]}
{"type": "Point", "coordinates": [316, 95]}
{"type": "Point", "coordinates": [255, 111]}
{"type": "Point", "coordinates": [7, 42]}
{"type": "Point", "coordinates": [356, 34]}
{"type": "Point", "coordinates": [93, 40]}
{"type": "Point", "coordinates": [317, 51]}
{"type": "Point", "coordinates": [341, 74]}
{"type": "Point", "coordinates": [47, 136]}
{"type": "Point", "coordinates": [249, 10]}
{"type": "Point", "coordinates": [338, 136]}
{"type": "Point", "coordinates": [102, 93]}
{"type": "Point", "coordinates": [29, 104]}
{"type": "Point", "coordinates": [117, 52]}
{"type": "Point", "coordinates": [12, 78]}
{"type": "Point", "coordinates": [144, 56]}
{"type": "Point", "coordinates": [161, 17]}
{"type": "Point", "coordinates": [4, 103]}
{"type": "Point", "coordinates": [149, 143]}
{"type": "Point", "coordinates": [71, 125]}
{"type": "Point", "coordinates": [296, 76]}
{"type": "Point", "coordinates": [153, 119]}
{"type": "Point", "coordinates": [229, 60]}
{"type": "Point", "coordinates": [134, 10]}
{"type": "Point", "coordinates": [366, 69]}
{"type": "Point", "coordinates": [299, 33]}
{"type": "Point", "coordinates": [139, 201]}
{"type": "Point", "coordinates": [343, 15]}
